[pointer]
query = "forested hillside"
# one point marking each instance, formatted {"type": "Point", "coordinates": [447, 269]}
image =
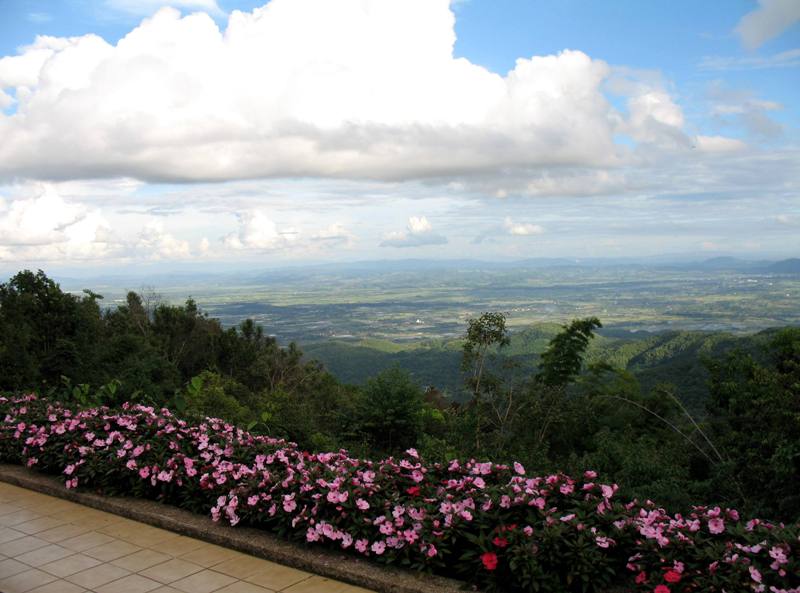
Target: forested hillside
{"type": "Point", "coordinates": [680, 418]}
{"type": "Point", "coordinates": [674, 357]}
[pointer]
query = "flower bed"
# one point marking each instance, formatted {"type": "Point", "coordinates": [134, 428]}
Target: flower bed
{"type": "Point", "coordinates": [489, 524]}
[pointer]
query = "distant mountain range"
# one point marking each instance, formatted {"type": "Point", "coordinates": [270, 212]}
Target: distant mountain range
{"type": "Point", "coordinates": [255, 275]}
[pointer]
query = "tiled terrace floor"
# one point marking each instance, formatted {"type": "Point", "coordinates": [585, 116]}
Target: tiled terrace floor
{"type": "Point", "coordinates": [50, 545]}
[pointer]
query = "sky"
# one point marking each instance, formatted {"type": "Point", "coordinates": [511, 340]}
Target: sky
{"type": "Point", "coordinates": [219, 133]}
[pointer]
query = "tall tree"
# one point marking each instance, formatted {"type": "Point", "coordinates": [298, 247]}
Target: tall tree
{"type": "Point", "coordinates": [563, 359]}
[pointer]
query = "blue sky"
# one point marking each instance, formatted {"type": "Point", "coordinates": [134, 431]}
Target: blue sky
{"type": "Point", "coordinates": [329, 130]}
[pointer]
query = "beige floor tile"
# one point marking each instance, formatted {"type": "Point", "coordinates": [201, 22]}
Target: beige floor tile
{"type": "Point", "coordinates": [94, 519]}
{"type": "Point", "coordinates": [204, 581]}
{"type": "Point", "coordinates": [56, 506]}
{"type": "Point", "coordinates": [241, 566]}
{"type": "Point", "coordinates": [148, 537]}
{"type": "Point", "coordinates": [37, 525]}
{"type": "Point", "coordinates": [140, 560]}
{"type": "Point", "coordinates": [22, 545]}
{"type": "Point", "coordinates": [112, 550]}
{"type": "Point", "coordinates": [208, 555]}
{"type": "Point", "coordinates": [166, 589]}
{"type": "Point", "coordinates": [243, 587]}
{"type": "Point", "coordinates": [97, 576]}
{"type": "Point", "coordinates": [9, 567]}
{"type": "Point", "coordinates": [277, 576]}
{"type": "Point", "coordinates": [7, 534]}
{"type": "Point", "coordinates": [9, 507]}
{"type": "Point", "coordinates": [131, 584]}
{"type": "Point", "coordinates": [70, 565]}
{"type": "Point", "coordinates": [26, 500]}
{"type": "Point", "coordinates": [86, 541]}
{"type": "Point", "coordinates": [121, 528]}
{"type": "Point", "coordinates": [171, 570]}
{"type": "Point", "coordinates": [317, 584]}
{"type": "Point", "coordinates": [58, 587]}
{"type": "Point", "coordinates": [177, 545]}
{"type": "Point", "coordinates": [62, 532]}
{"type": "Point", "coordinates": [25, 581]}
{"type": "Point", "coordinates": [44, 555]}
{"type": "Point", "coordinates": [20, 516]}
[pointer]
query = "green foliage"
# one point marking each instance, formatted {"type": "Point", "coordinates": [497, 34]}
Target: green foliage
{"type": "Point", "coordinates": [563, 359]}
{"type": "Point", "coordinates": [754, 413]}
{"type": "Point", "coordinates": [389, 412]}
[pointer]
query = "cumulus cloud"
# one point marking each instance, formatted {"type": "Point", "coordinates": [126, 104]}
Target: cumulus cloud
{"type": "Point", "coordinates": [287, 90]}
{"type": "Point", "coordinates": [418, 233]}
{"type": "Point", "coordinates": [770, 19]}
{"type": "Point", "coordinates": [156, 243]}
{"type": "Point", "coordinates": [259, 232]}
{"type": "Point", "coordinates": [49, 227]}
{"type": "Point", "coordinates": [521, 229]}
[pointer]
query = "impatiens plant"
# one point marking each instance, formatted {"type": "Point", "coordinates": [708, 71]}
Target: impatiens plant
{"type": "Point", "coordinates": [490, 524]}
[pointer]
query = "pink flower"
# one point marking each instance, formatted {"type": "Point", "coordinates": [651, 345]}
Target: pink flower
{"type": "Point", "coordinates": [716, 525]}
{"type": "Point", "coordinates": [362, 504]}
{"type": "Point", "coordinates": [661, 589]}
{"type": "Point", "coordinates": [361, 545]}
{"type": "Point", "coordinates": [754, 574]}
{"type": "Point", "coordinates": [519, 468]}
{"type": "Point", "coordinates": [378, 548]}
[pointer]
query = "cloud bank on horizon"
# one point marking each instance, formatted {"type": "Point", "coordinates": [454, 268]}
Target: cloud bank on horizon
{"type": "Point", "coordinates": [369, 93]}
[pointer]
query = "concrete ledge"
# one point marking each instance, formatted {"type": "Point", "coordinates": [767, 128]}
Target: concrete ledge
{"type": "Point", "coordinates": [259, 543]}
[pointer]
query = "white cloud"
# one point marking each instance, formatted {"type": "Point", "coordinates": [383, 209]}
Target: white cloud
{"type": "Point", "coordinates": [155, 243]}
{"type": "Point", "coordinates": [784, 59]}
{"type": "Point", "coordinates": [419, 232]}
{"type": "Point", "coordinates": [718, 144]}
{"type": "Point", "coordinates": [739, 107]}
{"type": "Point", "coordinates": [419, 224]}
{"type": "Point", "coordinates": [258, 231]}
{"type": "Point", "coordinates": [334, 234]}
{"type": "Point", "coordinates": [770, 19]}
{"type": "Point", "coordinates": [521, 228]}
{"type": "Point", "coordinates": [288, 90]}
{"type": "Point", "coordinates": [48, 227]}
